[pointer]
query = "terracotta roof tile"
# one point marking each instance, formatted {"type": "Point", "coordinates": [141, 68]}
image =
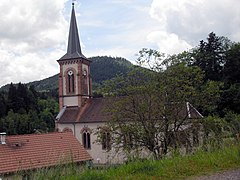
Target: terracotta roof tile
{"type": "Point", "coordinates": [24, 152]}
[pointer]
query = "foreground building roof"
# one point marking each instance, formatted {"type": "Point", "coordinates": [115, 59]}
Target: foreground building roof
{"type": "Point", "coordinates": [25, 152]}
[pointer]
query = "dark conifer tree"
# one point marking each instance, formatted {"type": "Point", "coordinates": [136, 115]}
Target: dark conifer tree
{"type": "Point", "coordinates": [232, 66]}
{"type": "Point", "coordinates": [12, 98]}
{"type": "Point", "coordinates": [22, 97]}
{"type": "Point", "coordinates": [210, 56]}
{"type": "Point", "coordinates": [3, 105]}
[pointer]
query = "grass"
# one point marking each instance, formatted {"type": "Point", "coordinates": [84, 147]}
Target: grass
{"type": "Point", "coordinates": [177, 167]}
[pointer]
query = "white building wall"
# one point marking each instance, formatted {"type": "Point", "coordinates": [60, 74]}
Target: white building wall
{"type": "Point", "coordinates": [98, 154]}
{"type": "Point", "coordinates": [70, 101]}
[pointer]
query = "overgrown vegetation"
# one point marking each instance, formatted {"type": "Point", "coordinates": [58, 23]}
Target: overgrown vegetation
{"type": "Point", "coordinates": [174, 167]}
{"type": "Point", "coordinates": [154, 111]}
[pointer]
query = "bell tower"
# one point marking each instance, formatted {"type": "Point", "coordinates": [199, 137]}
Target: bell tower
{"type": "Point", "coordinates": [74, 78]}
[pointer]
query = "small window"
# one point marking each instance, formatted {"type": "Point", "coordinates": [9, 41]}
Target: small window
{"type": "Point", "coordinates": [85, 76]}
{"type": "Point", "coordinates": [106, 141]}
{"type": "Point", "coordinates": [70, 81]}
{"type": "Point", "coordinates": [86, 140]}
{"type": "Point", "coordinates": [84, 72]}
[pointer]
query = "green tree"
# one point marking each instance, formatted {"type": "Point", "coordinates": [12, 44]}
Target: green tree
{"type": "Point", "coordinates": [36, 123]}
{"type": "Point", "coordinates": [213, 133]}
{"type": "Point", "coordinates": [212, 93]}
{"type": "Point", "coordinates": [27, 123]}
{"type": "Point", "coordinates": [47, 117]}
{"type": "Point", "coordinates": [16, 123]}
{"type": "Point", "coordinates": [12, 102]}
{"type": "Point", "coordinates": [185, 57]}
{"type": "Point", "coordinates": [233, 121]}
{"type": "Point", "coordinates": [230, 99]}
{"type": "Point", "coordinates": [149, 114]}
{"type": "Point", "coordinates": [3, 105]}
{"type": "Point", "coordinates": [232, 66]}
{"type": "Point", "coordinates": [22, 98]}
{"type": "Point", "coordinates": [210, 56]}
{"type": "Point", "coordinates": [48, 110]}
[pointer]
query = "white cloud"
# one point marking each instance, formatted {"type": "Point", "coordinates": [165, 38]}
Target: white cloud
{"type": "Point", "coordinates": [32, 36]}
{"type": "Point", "coordinates": [168, 42]}
{"type": "Point", "coordinates": [39, 24]}
{"type": "Point", "coordinates": [192, 20]}
{"type": "Point", "coordinates": [29, 67]}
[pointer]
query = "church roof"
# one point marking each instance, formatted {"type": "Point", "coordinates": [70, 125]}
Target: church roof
{"type": "Point", "coordinates": [74, 48]}
{"type": "Point", "coordinates": [94, 110]}
{"type": "Point", "coordinates": [32, 151]}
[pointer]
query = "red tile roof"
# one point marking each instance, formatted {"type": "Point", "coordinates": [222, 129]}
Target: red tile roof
{"type": "Point", "coordinates": [24, 152]}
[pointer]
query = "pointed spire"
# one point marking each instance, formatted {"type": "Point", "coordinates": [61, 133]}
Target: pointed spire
{"type": "Point", "coordinates": [74, 48]}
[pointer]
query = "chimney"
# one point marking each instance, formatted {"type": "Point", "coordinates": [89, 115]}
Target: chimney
{"type": "Point", "coordinates": [3, 138]}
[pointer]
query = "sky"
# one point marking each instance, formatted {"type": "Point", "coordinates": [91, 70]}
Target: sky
{"type": "Point", "coordinates": [34, 33]}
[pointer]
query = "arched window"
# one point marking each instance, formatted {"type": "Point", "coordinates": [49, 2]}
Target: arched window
{"type": "Point", "coordinates": [106, 140]}
{"type": "Point", "coordinates": [86, 138]}
{"type": "Point", "coordinates": [70, 81]}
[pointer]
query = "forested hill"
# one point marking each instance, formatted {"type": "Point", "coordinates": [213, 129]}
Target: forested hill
{"type": "Point", "coordinates": [102, 68]}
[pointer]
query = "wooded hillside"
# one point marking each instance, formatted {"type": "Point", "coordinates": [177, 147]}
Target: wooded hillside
{"type": "Point", "coordinates": [102, 68]}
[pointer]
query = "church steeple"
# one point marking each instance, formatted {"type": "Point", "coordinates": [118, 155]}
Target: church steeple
{"type": "Point", "coordinates": [74, 48]}
{"type": "Point", "coordinates": [75, 82]}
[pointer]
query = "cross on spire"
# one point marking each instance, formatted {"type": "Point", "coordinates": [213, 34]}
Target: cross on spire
{"type": "Point", "coordinates": [73, 2]}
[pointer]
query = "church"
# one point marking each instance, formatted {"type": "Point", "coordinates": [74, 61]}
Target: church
{"type": "Point", "coordinates": [80, 113]}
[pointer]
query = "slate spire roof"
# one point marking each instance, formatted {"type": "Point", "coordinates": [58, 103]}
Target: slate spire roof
{"type": "Point", "coordinates": [74, 48]}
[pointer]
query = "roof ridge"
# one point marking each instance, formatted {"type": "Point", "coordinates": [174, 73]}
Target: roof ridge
{"type": "Point", "coordinates": [17, 135]}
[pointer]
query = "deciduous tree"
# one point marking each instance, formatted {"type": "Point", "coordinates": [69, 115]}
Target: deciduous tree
{"type": "Point", "coordinates": [152, 113]}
